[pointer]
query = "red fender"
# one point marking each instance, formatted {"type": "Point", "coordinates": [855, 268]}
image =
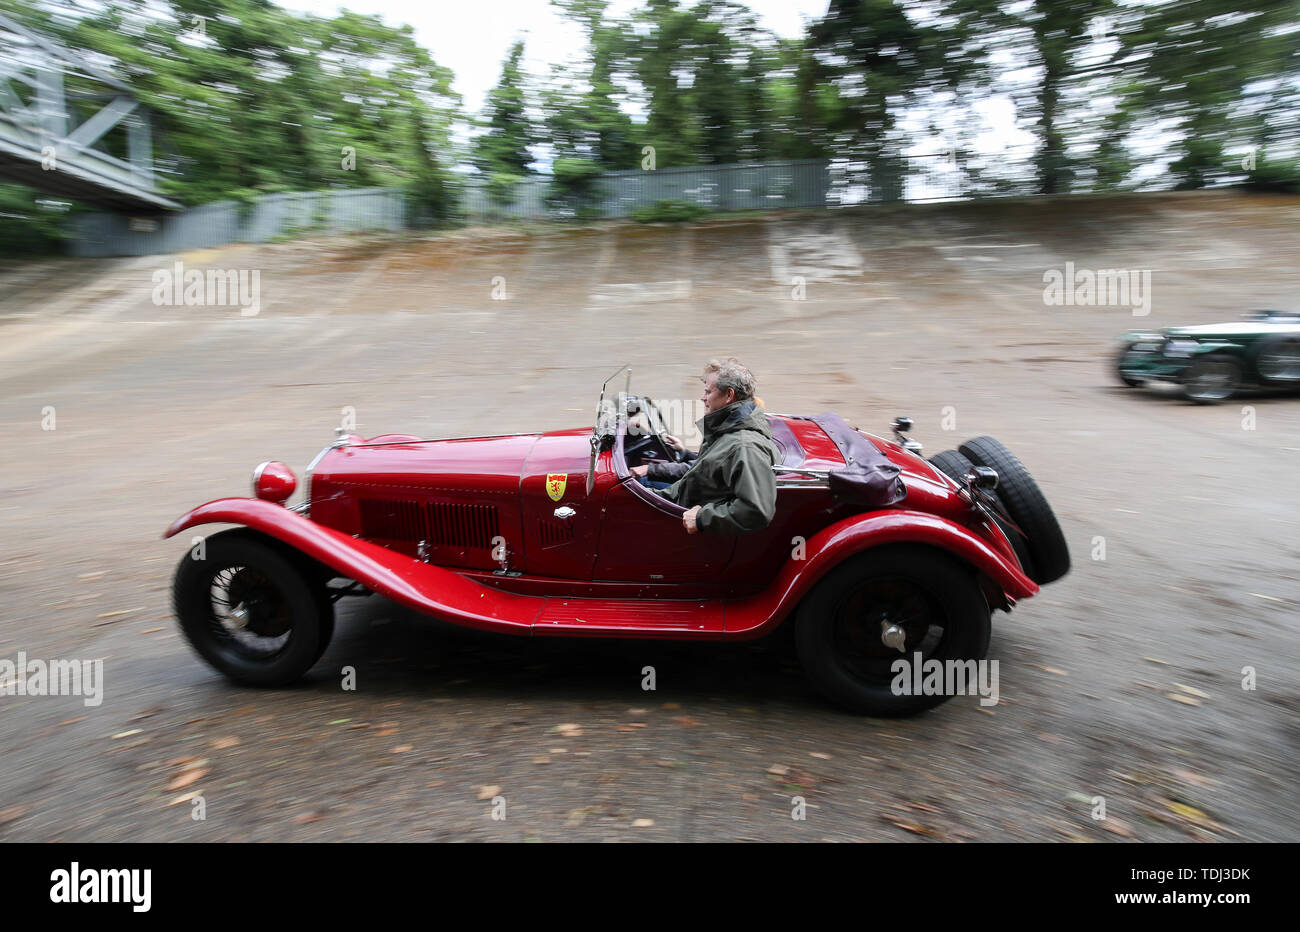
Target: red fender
{"type": "Point", "coordinates": [758, 614]}
{"type": "Point", "coordinates": [444, 593]}
{"type": "Point", "coordinates": [421, 586]}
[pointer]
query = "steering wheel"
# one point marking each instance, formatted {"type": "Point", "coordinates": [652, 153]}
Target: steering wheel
{"type": "Point", "coordinates": [654, 441]}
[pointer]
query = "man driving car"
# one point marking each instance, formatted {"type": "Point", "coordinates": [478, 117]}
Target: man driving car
{"type": "Point", "coordinates": [728, 488]}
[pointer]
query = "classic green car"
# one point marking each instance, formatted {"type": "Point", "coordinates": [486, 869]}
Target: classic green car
{"type": "Point", "coordinates": [1212, 361]}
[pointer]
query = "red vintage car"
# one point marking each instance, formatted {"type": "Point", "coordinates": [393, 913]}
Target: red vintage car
{"type": "Point", "coordinates": [874, 554]}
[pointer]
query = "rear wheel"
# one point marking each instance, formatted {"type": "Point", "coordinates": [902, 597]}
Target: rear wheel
{"type": "Point", "coordinates": [250, 612]}
{"type": "Point", "coordinates": [1279, 361]}
{"type": "Point", "coordinates": [1049, 556]}
{"type": "Point", "coordinates": [929, 600]}
{"type": "Point", "coordinates": [1211, 379]}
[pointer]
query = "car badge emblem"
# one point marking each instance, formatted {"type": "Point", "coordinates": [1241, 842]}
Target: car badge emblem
{"type": "Point", "coordinates": [555, 484]}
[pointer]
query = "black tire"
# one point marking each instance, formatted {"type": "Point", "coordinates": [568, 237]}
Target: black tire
{"type": "Point", "coordinates": [1214, 377]}
{"type": "Point", "coordinates": [955, 465]}
{"type": "Point", "coordinates": [1278, 361]}
{"type": "Point", "coordinates": [933, 597]}
{"type": "Point", "coordinates": [952, 464]}
{"type": "Point", "coordinates": [250, 611]}
{"type": "Point", "coordinates": [1049, 556]}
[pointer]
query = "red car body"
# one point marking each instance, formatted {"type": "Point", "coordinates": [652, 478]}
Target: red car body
{"type": "Point", "coordinates": [465, 530]}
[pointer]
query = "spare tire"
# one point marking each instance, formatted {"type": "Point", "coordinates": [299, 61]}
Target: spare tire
{"type": "Point", "coordinates": [1025, 503]}
{"type": "Point", "coordinates": [952, 464]}
{"type": "Point", "coordinates": [956, 465]}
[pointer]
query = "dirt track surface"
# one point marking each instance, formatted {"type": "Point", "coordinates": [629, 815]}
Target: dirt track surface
{"type": "Point", "coordinates": [1123, 681]}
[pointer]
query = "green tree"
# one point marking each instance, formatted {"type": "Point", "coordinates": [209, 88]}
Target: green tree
{"type": "Point", "coordinates": [1212, 72]}
{"type": "Point", "coordinates": [880, 61]}
{"type": "Point", "coordinates": [502, 152]}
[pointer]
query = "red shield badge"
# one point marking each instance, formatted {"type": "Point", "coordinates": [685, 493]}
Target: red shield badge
{"type": "Point", "coordinates": [555, 485]}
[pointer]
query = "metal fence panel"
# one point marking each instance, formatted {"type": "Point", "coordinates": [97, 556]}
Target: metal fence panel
{"type": "Point", "coordinates": [795, 183]}
{"type": "Point", "coordinates": [223, 222]}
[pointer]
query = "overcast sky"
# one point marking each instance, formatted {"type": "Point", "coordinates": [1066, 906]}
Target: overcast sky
{"type": "Point", "coordinates": [472, 38]}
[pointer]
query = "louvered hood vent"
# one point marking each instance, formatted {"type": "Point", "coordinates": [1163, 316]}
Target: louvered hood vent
{"type": "Point", "coordinates": [449, 524]}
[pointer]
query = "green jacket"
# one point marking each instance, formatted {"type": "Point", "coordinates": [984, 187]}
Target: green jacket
{"type": "Point", "coordinates": [732, 478]}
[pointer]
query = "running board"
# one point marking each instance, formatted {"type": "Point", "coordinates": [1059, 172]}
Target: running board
{"type": "Point", "coordinates": [647, 618]}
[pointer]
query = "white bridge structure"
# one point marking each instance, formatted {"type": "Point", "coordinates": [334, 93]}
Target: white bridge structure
{"type": "Point", "coordinates": [54, 140]}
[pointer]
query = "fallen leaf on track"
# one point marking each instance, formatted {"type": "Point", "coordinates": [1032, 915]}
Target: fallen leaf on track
{"type": "Point", "coordinates": [906, 825]}
{"type": "Point", "coordinates": [1117, 826]}
{"type": "Point", "coordinates": [186, 778]}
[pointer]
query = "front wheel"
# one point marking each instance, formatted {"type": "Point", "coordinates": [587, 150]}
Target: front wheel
{"type": "Point", "coordinates": [1120, 374]}
{"type": "Point", "coordinates": [1211, 379]}
{"type": "Point", "coordinates": [249, 611]}
{"type": "Point", "coordinates": [850, 629]}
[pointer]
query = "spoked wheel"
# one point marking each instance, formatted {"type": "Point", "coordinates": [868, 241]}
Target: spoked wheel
{"type": "Point", "coordinates": [1211, 379]}
{"type": "Point", "coordinates": [882, 606]}
{"type": "Point", "coordinates": [250, 612]}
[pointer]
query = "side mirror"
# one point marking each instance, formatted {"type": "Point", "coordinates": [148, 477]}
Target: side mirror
{"type": "Point", "coordinates": [901, 425]}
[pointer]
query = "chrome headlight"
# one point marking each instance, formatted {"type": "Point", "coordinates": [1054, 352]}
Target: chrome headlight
{"type": "Point", "coordinates": [1180, 347]}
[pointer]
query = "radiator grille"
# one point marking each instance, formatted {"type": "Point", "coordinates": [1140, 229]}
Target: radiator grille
{"type": "Point", "coordinates": [451, 524]}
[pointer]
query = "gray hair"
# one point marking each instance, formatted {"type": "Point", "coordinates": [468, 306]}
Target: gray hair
{"type": "Point", "coordinates": [732, 375]}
